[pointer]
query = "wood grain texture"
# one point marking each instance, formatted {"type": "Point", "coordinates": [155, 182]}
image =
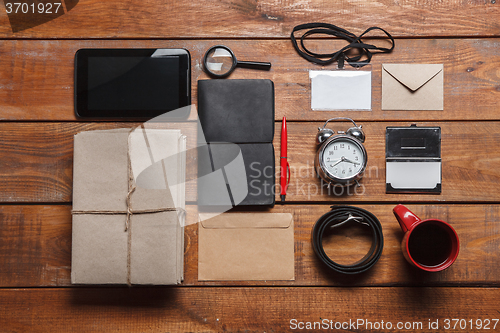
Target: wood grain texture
{"type": "Point", "coordinates": [239, 309]}
{"type": "Point", "coordinates": [36, 248]}
{"type": "Point", "coordinates": [468, 152]}
{"type": "Point", "coordinates": [51, 145]}
{"type": "Point", "coordinates": [36, 77]}
{"type": "Point", "coordinates": [478, 227]}
{"type": "Point", "coordinates": [37, 124]}
{"type": "Point", "coordinates": [250, 18]}
{"type": "Point", "coordinates": [36, 163]}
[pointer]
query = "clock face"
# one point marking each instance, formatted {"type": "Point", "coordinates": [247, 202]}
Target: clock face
{"type": "Point", "coordinates": [343, 158]}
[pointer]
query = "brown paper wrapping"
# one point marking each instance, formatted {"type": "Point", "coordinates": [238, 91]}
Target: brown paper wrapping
{"type": "Point", "coordinates": [149, 248]}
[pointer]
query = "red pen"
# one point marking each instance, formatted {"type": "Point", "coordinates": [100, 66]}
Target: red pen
{"type": "Point", "coordinates": [284, 166]}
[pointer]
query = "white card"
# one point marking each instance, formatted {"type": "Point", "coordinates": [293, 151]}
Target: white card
{"type": "Point", "coordinates": [413, 175]}
{"type": "Point", "coordinates": [341, 90]}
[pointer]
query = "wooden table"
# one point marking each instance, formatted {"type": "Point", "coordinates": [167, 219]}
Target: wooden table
{"type": "Point", "coordinates": [36, 155]}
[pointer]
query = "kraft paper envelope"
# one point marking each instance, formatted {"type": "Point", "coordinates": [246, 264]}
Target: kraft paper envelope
{"type": "Point", "coordinates": [246, 246]}
{"type": "Point", "coordinates": [412, 87]}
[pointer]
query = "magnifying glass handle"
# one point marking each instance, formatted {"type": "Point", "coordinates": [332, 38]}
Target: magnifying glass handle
{"type": "Point", "coordinates": [254, 64]}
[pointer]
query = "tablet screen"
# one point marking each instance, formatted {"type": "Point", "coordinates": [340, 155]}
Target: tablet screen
{"type": "Point", "coordinates": [131, 83]}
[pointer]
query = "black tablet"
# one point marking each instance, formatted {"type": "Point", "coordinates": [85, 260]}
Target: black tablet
{"type": "Point", "coordinates": [131, 83]}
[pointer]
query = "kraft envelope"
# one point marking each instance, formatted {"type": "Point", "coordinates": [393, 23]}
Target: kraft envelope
{"type": "Point", "coordinates": [412, 87]}
{"type": "Point", "coordinates": [246, 246]}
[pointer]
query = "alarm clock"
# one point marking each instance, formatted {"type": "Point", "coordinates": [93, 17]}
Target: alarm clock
{"type": "Point", "coordinates": [341, 158]}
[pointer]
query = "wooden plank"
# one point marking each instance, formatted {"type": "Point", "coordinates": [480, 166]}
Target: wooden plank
{"type": "Point", "coordinates": [468, 173]}
{"type": "Point", "coordinates": [37, 76]}
{"type": "Point", "coordinates": [46, 177]}
{"type": "Point", "coordinates": [36, 163]}
{"type": "Point", "coordinates": [36, 248]}
{"type": "Point", "coordinates": [36, 84]}
{"type": "Point", "coordinates": [478, 227]}
{"type": "Point", "coordinates": [237, 18]}
{"type": "Point", "coordinates": [247, 309]}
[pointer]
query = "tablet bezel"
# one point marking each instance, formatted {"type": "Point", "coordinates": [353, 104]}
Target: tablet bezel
{"type": "Point", "coordinates": [81, 82]}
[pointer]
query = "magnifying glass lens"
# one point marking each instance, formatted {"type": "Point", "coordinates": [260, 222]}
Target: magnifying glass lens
{"type": "Point", "coordinates": [219, 61]}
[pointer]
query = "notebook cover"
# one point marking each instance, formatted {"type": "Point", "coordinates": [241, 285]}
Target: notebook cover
{"type": "Point", "coordinates": [259, 167]}
{"type": "Point", "coordinates": [241, 112]}
{"type": "Point", "coordinates": [237, 111]}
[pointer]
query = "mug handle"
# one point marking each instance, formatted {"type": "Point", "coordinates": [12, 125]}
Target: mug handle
{"type": "Point", "coordinates": [406, 218]}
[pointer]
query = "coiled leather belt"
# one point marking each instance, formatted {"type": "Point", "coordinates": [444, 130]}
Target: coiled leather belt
{"type": "Point", "coordinates": [338, 216]}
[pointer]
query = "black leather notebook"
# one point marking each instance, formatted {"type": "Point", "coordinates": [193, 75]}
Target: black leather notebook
{"type": "Point", "coordinates": [240, 112]}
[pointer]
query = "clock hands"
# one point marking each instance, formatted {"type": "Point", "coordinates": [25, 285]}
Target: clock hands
{"type": "Point", "coordinates": [348, 160]}
{"type": "Point", "coordinates": [344, 159]}
{"type": "Point", "coordinates": [339, 161]}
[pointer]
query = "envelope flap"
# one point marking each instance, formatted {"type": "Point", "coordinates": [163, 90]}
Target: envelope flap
{"type": "Point", "coordinates": [247, 221]}
{"type": "Point", "coordinates": [413, 76]}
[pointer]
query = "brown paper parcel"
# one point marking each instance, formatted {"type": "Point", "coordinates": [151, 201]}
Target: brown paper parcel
{"type": "Point", "coordinates": [412, 87]}
{"type": "Point", "coordinates": [246, 246]}
{"type": "Point", "coordinates": [106, 249]}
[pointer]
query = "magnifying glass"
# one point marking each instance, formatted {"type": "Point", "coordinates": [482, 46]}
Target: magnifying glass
{"type": "Point", "coordinates": [220, 61]}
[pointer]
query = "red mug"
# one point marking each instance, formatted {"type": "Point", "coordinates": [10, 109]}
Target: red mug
{"type": "Point", "coordinates": [431, 245]}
